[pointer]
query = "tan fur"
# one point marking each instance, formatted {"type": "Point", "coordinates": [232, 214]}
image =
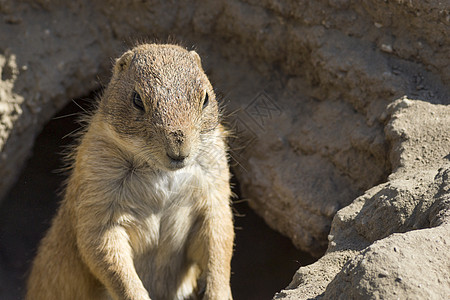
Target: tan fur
{"type": "Point", "coordinates": [134, 223]}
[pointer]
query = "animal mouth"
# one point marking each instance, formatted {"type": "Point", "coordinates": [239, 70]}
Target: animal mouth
{"type": "Point", "coordinates": [176, 163]}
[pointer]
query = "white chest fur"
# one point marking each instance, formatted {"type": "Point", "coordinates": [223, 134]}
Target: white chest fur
{"type": "Point", "coordinates": [159, 214]}
{"type": "Point", "coordinates": [159, 209]}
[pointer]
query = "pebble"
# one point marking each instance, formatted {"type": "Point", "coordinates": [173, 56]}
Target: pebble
{"type": "Point", "coordinates": [386, 48]}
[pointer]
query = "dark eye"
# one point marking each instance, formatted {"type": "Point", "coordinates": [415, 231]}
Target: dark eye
{"type": "Point", "coordinates": [206, 100]}
{"type": "Point", "coordinates": [137, 101]}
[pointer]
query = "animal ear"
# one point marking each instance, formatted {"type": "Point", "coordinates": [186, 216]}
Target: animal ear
{"type": "Point", "coordinates": [123, 62]}
{"type": "Point", "coordinates": [196, 57]}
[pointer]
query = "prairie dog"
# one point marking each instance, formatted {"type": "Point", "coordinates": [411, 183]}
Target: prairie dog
{"type": "Point", "coordinates": [146, 212]}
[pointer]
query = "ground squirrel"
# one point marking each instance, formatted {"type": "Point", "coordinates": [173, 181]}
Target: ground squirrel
{"type": "Point", "coordinates": [146, 212]}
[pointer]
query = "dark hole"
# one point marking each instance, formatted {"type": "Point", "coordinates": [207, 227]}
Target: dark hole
{"type": "Point", "coordinates": [28, 208]}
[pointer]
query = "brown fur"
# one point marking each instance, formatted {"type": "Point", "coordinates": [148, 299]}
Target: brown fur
{"type": "Point", "coordinates": [135, 223]}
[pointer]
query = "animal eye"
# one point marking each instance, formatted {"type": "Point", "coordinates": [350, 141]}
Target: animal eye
{"type": "Point", "coordinates": [205, 100]}
{"type": "Point", "coordinates": [137, 101]}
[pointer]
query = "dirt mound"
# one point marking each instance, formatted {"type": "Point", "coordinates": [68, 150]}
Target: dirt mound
{"type": "Point", "coordinates": [381, 242]}
{"type": "Point", "coordinates": [308, 88]}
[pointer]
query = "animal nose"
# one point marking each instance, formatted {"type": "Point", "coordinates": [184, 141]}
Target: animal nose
{"type": "Point", "coordinates": [177, 136]}
{"type": "Point", "coordinates": [178, 146]}
{"type": "Point", "coordinates": [177, 158]}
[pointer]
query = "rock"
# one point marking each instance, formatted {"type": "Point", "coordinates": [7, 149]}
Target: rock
{"type": "Point", "coordinates": [396, 230]}
{"type": "Point", "coordinates": [390, 268]}
{"type": "Point", "coordinates": [55, 59]}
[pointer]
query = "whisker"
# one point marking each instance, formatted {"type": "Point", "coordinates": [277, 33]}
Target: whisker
{"type": "Point", "coordinates": [72, 132]}
{"type": "Point", "coordinates": [245, 200]}
{"type": "Point", "coordinates": [80, 106]}
{"type": "Point", "coordinates": [237, 161]}
{"type": "Point", "coordinates": [66, 116]}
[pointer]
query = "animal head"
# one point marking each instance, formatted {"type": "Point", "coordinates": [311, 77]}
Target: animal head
{"type": "Point", "coordinates": [160, 104]}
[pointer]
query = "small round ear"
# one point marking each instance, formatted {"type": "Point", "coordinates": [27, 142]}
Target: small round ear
{"type": "Point", "coordinates": [196, 57]}
{"type": "Point", "coordinates": [123, 62]}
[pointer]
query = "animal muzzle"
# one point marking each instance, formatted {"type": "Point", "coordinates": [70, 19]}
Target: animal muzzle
{"type": "Point", "coordinates": [178, 147]}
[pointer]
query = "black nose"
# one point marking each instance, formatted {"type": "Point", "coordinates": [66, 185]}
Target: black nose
{"type": "Point", "coordinates": [177, 158]}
